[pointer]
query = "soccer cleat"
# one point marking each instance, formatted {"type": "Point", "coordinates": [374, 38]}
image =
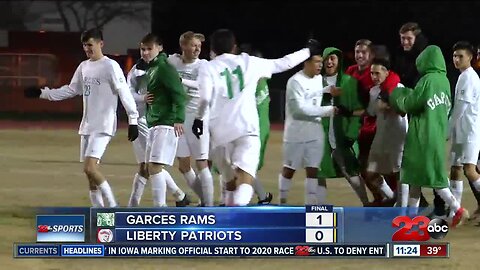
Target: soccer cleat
{"type": "Point", "coordinates": [185, 202]}
{"type": "Point", "coordinates": [267, 200]}
{"type": "Point", "coordinates": [460, 216]}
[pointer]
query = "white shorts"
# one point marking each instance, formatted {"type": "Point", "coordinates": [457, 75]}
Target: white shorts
{"type": "Point", "coordinates": [242, 153]}
{"type": "Point", "coordinates": [161, 145]}
{"type": "Point", "coordinates": [465, 153]}
{"type": "Point", "coordinates": [189, 145]}
{"type": "Point", "coordinates": [297, 155]}
{"type": "Point", "coordinates": [140, 144]}
{"type": "Point", "coordinates": [93, 145]}
{"type": "Point", "coordinates": [384, 162]}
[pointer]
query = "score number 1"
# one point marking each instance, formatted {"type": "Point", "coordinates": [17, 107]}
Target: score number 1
{"type": "Point", "coordinates": [320, 220]}
{"type": "Point", "coordinates": [323, 231]}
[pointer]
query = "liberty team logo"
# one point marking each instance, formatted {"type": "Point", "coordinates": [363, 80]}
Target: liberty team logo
{"type": "Point", "coordinates": [104, 235]}
{"type": "Point", "coordinates": [106, 219]}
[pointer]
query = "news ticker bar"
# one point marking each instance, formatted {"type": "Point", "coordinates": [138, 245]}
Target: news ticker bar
{"type": "Point", "coordinates": [388, 250]}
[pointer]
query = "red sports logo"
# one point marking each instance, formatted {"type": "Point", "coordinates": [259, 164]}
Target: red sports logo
{"type": "Point", "coordinates": [302, 251]}
{"type": "Point", "coordinates": [426, 228]}
{"type": "Point", "coordinates": [44, 228]}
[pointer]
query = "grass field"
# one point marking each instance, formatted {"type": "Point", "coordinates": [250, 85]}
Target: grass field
{"type": "Point", "coordinates": [40, 168]}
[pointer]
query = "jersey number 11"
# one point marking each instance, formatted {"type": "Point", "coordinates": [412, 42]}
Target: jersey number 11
{"type": "Point", "coordinates": [230, 80]}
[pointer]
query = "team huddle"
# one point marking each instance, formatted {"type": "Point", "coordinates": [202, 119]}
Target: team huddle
{"type": "Point", "coordinates": [379, 126]}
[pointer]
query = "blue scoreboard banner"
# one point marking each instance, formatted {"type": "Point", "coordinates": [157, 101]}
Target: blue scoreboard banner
{"type": "Point", "coordinates": [311, 230]}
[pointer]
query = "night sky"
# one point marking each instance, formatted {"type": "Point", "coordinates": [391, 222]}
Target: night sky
{"type": "Point", "coordinates": [280, 28]}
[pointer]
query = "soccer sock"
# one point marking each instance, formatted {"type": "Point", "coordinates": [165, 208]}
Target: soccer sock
{"type": "Point", "coordinates": [284, 185]}
{"type": "Point", "coordinates": [137, 190]}
{"type": "Point", "coordinates": [358, 185]}
{"type": "Point", "coordinates": [476, 184]}
{"type": "Point", "coordinates": [96, 198]}
{"type": "Point", "coordinates": [243, 194]}
{"type": "Point", "coordinates": [206, 180]}
{"type": "Point", "coordinates": [159, 189]}
{"type": "Point", "coordinates": [259, 190]}
{"type": "Point", "coordinates": [172, 187]}
{"type": "Point", "coordinates": [223, 189]}
{"type": "Point", "coordinates": [191, 179]}
{"type": "Point", "coordinates": [311, 191]}
{"type": "Point", "coordinates": [414, 200]}
{"type": "Point", "coordinates": [321, 194]}
{"type": "Point", "coordinates": [402, 194]}
{"type": "Point", "coordinates": [385, 189]}
{"type": "Point", "coordinates": [449, 199]}
{"type": "Point", "coordinates": [108, 194]}
{"type": "Point", "coordinates": [456, 186]}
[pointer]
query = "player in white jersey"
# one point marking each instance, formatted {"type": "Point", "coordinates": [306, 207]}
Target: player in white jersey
{"type": "Point", "coordinates": [386, 151]}
{"type": "Point", "coordinates": [465, 121]}
{"type": "Point", "coordinates": [101, 81]}
{"type": "Point", "coordinates": [137, 81]}
{"type": "Point", "coordinates": [303, 137]}
{"type": "Point", "coordinates": [227, 88]}
{"type": "Point", "coordinates": [187, 65]}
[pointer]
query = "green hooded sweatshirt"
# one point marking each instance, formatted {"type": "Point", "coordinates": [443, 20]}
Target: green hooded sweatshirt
{"type": "Point", "coordinates": [168, 106]}
{"type": "Point", "coordinates": [428, 105]}
{"type": "Point", "coordinates": [345, 128]}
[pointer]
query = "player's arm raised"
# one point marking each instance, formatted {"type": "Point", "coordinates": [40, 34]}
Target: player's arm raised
{"type": "Point", "coordinates": [75, 88]}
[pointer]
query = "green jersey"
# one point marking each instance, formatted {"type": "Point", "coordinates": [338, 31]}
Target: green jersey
{"type": "Point", "coordinates": [168, 106]}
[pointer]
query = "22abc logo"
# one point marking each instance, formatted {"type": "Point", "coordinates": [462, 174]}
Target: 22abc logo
{"type": "Point", "coordinates": [425, 228]}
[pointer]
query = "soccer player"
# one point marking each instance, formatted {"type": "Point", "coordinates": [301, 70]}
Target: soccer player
{"type": "Point", "coordinates": [187, 65]}
{"type": "Point", "coordinates": [100, 81]}
{"type": "Point", "coordinates": [385, 156]}
{"type": "Point", "coordinates": [137, 80]}
{"type": "Point", "coordinates": [165, 118]}
{"type": "Point", "coordinates": [424, 152]}
{"type": "Point", "coordinates": [465, 121]}
{"type": "Point", "coordinates": [340, 159]}
{"type": "Point", "coordinates": [227, 87]}
{"type": "Point", "coordinates": [303, 137]}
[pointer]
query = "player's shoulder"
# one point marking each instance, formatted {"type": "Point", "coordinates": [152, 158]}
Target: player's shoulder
{"type": "Point", "coordinates": [110, 63]}
{"type": "Point", "coordinates": [296, 78]}
{"type": "Point", "coordinates": [174, 59]}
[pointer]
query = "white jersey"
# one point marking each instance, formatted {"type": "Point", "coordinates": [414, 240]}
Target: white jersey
{"type": "Point", "coordinates": [467, 91]}
{"type": "Point", "coordinates": [391, 127]}
{"type": "Point", "coordinates": [227, 87]}
{"type": "Point", "coordinates": [137, 83]}
{"type": "Point", "coordinates": [303, 108]}
{"type": "Point", "coordinates": [100, 82]}
{"type": "Point", "coordinates": [188, 72]}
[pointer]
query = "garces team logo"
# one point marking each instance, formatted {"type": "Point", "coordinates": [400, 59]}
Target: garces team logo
{"type": "Point", "coordinates": [104, 235]}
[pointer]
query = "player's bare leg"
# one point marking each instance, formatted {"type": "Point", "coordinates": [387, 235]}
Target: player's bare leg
{"type": "Point", "coordinates": [206, 182]}
{"type": "Point", "coordinates": [311, 183]}
{"type": "Point", "coordinates": [355, 181]}
{"type": "Point", "coordinates": [322, 191]}
{"type": "Point", "coordinates": [284, 183]}
{"type": "Point", "coordinates": [138, 185]}
{"type": "Point", "coordinates": [230, 187]}
{"type": "Point", "coordinates": [90, 168]}
{"type": "Point", "coordinates": [244, 191]}
{"type": "Point", "coordinates": [184, 166]}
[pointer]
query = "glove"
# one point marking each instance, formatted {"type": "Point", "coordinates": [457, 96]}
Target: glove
{"type": "Point", "coordinates": [383, 96]}
{"type": "Point", "coordinates": [314, 46]}
{"type": "Point", "coordinates": [197, 128]}
{"type": "Point", "coordinates": [141, 64]}
{"type": "Point", "coordinates": [32, 92]}
{"type": "Point", "coordinates": [132, 132]}
{"type": "Point", "coordinates": [344, 111]}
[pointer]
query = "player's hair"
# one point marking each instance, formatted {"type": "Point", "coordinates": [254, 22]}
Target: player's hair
{"type": "Point", "coordinates": [382, 62]}
{"type": "Point", "coordinates": [189, 35]}
{"type": "Point", "coordinates": [151, 38]}
{"type": "Point", "coordinates": [94, 33]}
{"type": "Point", "coordinates": [364, 42]}
{"type": "Point", "coordinates": [464, 45]}
{"type": "Point", "coordinates": [410, 26]}
{"type": "Point", "coordinates": [222, 41]}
